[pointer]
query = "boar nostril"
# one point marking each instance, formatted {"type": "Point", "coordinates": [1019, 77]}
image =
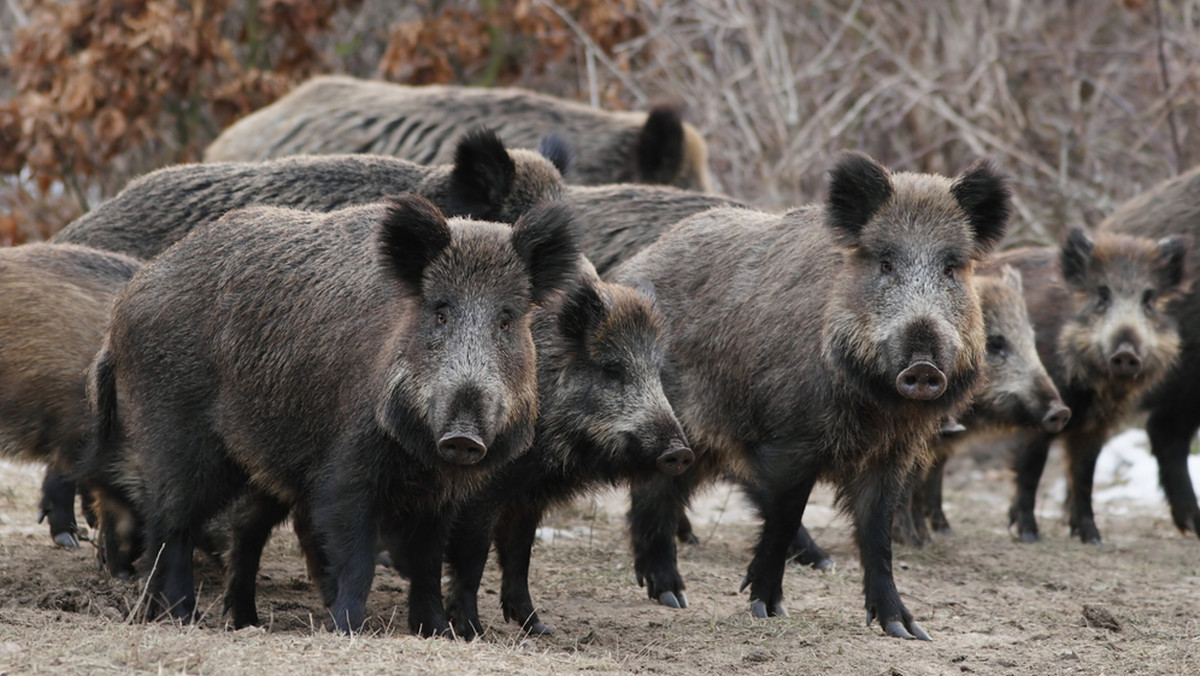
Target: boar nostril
{"type": "Point", "coordinates": [676, 461]}
{"type": "Point", "coordinates": [1124, 363]}
{"type": "Point", "coordinates": [461, 449]}
{"type": "Point", "coordinates": [1056, 418]}
{"type": "Point", "coordinates": [921, 381]}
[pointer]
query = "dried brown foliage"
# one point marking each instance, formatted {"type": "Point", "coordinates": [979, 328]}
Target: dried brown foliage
{"type": "Point", "coordinates": [1084, 103]}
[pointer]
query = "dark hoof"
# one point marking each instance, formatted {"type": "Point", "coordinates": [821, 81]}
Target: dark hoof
{"type": "Point", "coordinates": [823, 564]}
{"type": "Point", "coordinates": [689, 538]}
{"type": "Point", "coordinates": [539, 629]}
{"type": "Point", "coordinates": [759, 609]}
{"type": "Point", "coordinates": [67, 540]}
{"type": "Point", "coordinates": [670, 600]}
{"type": "Point", "coordinates": [1029, 537]}
{"type": "Point", "coordinates": [383, 559]}
{"type": "Point", "coordinates": [897, 629]}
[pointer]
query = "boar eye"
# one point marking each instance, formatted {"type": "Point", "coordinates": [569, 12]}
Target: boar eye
{"type": "Point", "coordinates": [949, 270]}
{"type": "Point", "coordinates": [885, 266]}
{"type": "Point", "coordinates": [612, 371]}
{"type": "Point", "coordinates": [997, 345]}
{"type": "Point", "coordinates": [1148, 297]}
{"type": "Point", "coordinates": [441, 317]}
{"type": "Point", "coordinates": [1103, 297]}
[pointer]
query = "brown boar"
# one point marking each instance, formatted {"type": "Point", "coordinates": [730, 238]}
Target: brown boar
{"type": "Point", "coordinates": [486, 181]}
{"type": "Point", "coordinates": [55, 310]}
{"type": "Point", "coordinates": [339, 114]}
{"type": "Point", "coordinates": [1173, 208]}
{"type": "Point", "coordinates": [797, 352]}
{"type": "Point", "coordinates": [1099, 310]}
{"type": "Point", "coordinates": [1016, 391]}
{"type": "Point", "coordinates": [370, 365]}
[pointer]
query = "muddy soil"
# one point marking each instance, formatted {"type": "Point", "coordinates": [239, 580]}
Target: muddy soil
{"type": "Point", "coordinates": [993, 606]}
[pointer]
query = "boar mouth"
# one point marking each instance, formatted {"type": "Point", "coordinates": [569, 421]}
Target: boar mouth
{"type": "Point", "coordinates": [921, 381]}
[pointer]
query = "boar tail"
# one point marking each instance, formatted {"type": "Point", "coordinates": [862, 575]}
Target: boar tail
{"type": "Point", "coordinates": [102, 390]}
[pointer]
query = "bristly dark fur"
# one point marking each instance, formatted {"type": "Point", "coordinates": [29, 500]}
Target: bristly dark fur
{"type": "Point", "coordinates": [660, 150]}
{"type": "Point", "coordinates": [556, 149]}
{"type": "Point", "coordinates": [483, 172]}
{"type": "Point", "coordinates": [858, 187]}
{"type": "Point", "coordinates": [984, 193]}
{"type": "Point", "coordinates": [410, 236]}
{"type": "Point", "coordinates": [547, 235]}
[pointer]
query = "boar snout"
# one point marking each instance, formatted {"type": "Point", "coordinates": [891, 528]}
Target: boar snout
{"type": "Point", "coordinates": [921, 381]}
{"type": "Point", "coordinates": [1056, 418]}
{"type": "Point", "coordinates": [675, 461]}
{"type": "Point", "coordinates": [1125, 362]}
{"type": "Point", "coordinates": [461, 448]}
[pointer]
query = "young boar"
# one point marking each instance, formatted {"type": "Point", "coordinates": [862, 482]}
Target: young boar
{"type": "Point", "coordinates": [1173, 208]}
{"type": "Point", "coordinates": [797, 352]}
{"type": "Point", "coordinates": [604, 418]}
{"type": "Point", "coordinates": [55, 300]}
{"type": "Point", "coordinates": [1099, 310]}
{"type": "Point", "coordinates": [371, 366]}
{"type": "Point", "coordinates": [485, 181]}
{"type": "Point", "coordinates": [338, 114]}
{"type": "Point", "coordinates": [1016, 391]}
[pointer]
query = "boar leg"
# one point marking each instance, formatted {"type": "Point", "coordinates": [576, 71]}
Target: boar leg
{"type": "Point", "coordinates": [781, 508]}
{"type": "Point", "coordinates": [1082, 449]}
{"type": "Point", "coordinates": [803, 550]}
{"type": "Point", "coordinates": [58, 506]}
{"type": "Point", "coordinates": [872, 496]}
{"type": "Point", "coordinates": [251, 527]}
{"type": "Point", "coordinates": [467, 552]}
{"type": "Point", "coordinates": [515, 535]}
{"type": "Point", "coordinates": [343, 515]}
{"type": "Point", "coordinates": [1171, 437]}
{"type": "Point", "coordinates": [931, 497]}
{"type": "Point", "coordinates": [908, 524]}
{"type": "Point", "coordinates": [655, 506]}
{"type": "Point", "coordinates": [421, 539]}
{"type": "Point", "coordinates": [170, 584]}
{"type": "Point", "coordinates": [1029, 460]}
{"type": "Point", "coordinates": [314, 555]}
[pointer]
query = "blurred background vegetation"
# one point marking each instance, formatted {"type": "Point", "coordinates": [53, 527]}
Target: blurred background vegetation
{"type": "Point", "coordinates": [1085, 102]}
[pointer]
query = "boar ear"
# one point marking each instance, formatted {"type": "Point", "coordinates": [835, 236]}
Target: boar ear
{"type": "Point", "coordinates": [1172, 267]}
{"type": "Point", "coordinates": [1075, 256]}
{"type": "Point", "coordinates": [582, 310]}
{"type": "Point", "coordinates": [858, 187]}
{"type": "Point", "coordinates": [983, 193]}
{"type": "Point", "coordinates": [1012, 277]}
{"type": "Point", "coordinates": [482, 177]}
{"type": "Point", "coordinates": [545, 240]}
{"type": "Point", "coordinates": [412, 233]}
{"type": "Point", "coordinates": [660, 146]}
{"type": "Point", "coordinates": [556, 149]}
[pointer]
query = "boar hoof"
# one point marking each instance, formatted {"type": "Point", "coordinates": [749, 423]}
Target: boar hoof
{"type": "Point", "coordinates": [670, 600]}
{"type": "Point", "coordinates": [896, 628]}
{"type": "Point", "coordinates": [536, 628]}
{"type": "Point", "coordinates": [67, 540]}
{"type": "Point", "coordinates": [759, 609]}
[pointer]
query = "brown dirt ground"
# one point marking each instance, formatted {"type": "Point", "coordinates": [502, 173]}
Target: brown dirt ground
{"type": "Point", "coordinates": [991, 605]}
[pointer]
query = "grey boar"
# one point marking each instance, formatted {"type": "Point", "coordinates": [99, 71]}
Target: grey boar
{"type": "Point", "coordinates": [370, 366]}
{"type": "Point", "coordinates": [1016, 391]}
{"type": "Point", "coordinates": [338, 114]}
{"type": "Point", "coordinates": [55, 301]}
{"type": "Point", "coordinates": [797, 352]}
{"type": "Point", "coordinates": [1173, 208]}
{"type": "Point", "coordinates": [603, 418]}
{"type": "Point", "coordinates": [485, 181]}
{"type": "Point", "coordinates": [617, 221]}
{"type": "Point", "coordinates": [1100, 312]}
